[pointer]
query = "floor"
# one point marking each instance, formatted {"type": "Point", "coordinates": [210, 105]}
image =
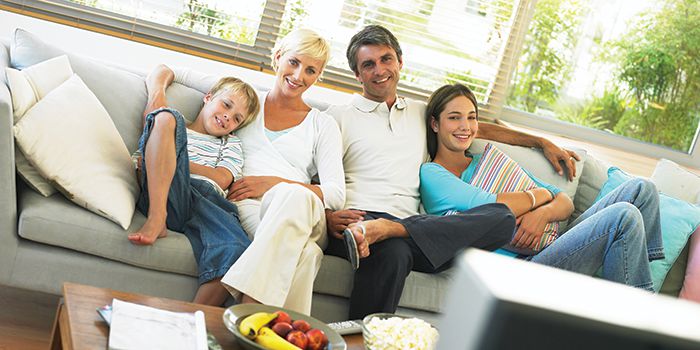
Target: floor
{"type": "Point", "coordinates": [26, 319]}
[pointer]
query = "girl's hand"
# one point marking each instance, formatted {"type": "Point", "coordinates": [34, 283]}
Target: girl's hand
{"type": "Point", "coordinates": [252, 187]}
{"type": "Point", "coordinates": [530, 228]}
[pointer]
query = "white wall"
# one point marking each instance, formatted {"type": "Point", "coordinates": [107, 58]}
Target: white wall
{"type": "Point", "coordinates": [137, 55]}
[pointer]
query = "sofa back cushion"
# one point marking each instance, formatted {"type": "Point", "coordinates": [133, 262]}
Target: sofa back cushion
{"type": "Point", "coordinates": [122, 93]}
{"type": "Point", "coordinates": [593, 176]}
{"type": "Point", "coordinates": [121, 90]}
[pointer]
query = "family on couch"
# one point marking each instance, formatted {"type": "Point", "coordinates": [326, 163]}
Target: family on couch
{"type": "Point", "coordinates": [368, 163]}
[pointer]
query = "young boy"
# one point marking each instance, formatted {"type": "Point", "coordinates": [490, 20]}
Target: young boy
{"type": "Point", "coordinates": [184, 169]}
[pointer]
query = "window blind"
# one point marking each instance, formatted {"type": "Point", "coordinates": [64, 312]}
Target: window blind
{"type": "Point", "coordinates": [444, 41]}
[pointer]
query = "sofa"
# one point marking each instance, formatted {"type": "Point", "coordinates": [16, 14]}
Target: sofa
{"type": "Point", "coordinates": [46, 241]}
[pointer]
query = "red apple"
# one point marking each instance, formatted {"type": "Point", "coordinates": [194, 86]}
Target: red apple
{"type": "Point", "coordinates": [282, 328]}
{"type": "Point", "coordinates": [317, 339]}
{"type": "Point", "coordinates": [298, 338]}
{"type": "Point", "coordinates": [301, 325]}
{"type": "Point", "coordinates": [282, 317]}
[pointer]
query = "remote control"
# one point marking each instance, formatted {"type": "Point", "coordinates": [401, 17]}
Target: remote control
{"type": "Point", "coordinates": [347, 327]}
{"type": "Point", "coordinates": [106, 313]}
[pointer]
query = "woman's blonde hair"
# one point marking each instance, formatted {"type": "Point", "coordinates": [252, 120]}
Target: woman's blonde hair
{"type": "Point", "coordinates": [304, 42]}
{"type": "Point", "coordinates": [238, 86]}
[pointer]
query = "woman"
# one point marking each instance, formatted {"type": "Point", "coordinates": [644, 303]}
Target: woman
{"type": "Point", "coordinates": [287, 145]}
{"type": "Point", "coordinates": [620, 233]}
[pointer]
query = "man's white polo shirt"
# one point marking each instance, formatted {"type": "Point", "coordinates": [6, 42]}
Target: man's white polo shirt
{"type": "Point", "coordinates": [382, 153]}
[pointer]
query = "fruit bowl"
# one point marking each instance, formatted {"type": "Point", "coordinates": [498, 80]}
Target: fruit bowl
{"type": "Point", "coordinates": [388, 331]}
{"type": "Point", "coordinates": [235, 314]}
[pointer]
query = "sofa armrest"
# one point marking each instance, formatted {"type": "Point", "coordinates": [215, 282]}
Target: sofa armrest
{"type": "Point", "coordinates": [8, 199]}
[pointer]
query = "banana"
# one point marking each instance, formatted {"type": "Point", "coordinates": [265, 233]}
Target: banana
{"type": "Point", "coordinates": [250, 325]}
{"type": "Point", "coordinates": [270, 340]}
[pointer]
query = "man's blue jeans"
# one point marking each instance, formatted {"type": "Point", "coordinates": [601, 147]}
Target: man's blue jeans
{"type": "Point", "coordinates": [619, 235]}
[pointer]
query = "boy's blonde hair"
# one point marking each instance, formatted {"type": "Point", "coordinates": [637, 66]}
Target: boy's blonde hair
{"type": "Point", "coordinates": [304, 42]}
{"type": "Point", "coordinates": [238, 86]}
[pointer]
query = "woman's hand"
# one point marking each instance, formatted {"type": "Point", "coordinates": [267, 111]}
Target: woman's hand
{"type": "Point", "coordinates": [337, 221]}
{"type": "Point", "coordinates": [530, 228]}
{"type": "Point", "coordinates": [252, 187]}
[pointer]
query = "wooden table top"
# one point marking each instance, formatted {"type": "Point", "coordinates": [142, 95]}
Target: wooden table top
{"type": "Point", "coordinates": [89, 331]}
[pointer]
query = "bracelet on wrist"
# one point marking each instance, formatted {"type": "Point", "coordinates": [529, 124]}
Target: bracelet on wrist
{"type": "Point", "coordinates": [532, 198]}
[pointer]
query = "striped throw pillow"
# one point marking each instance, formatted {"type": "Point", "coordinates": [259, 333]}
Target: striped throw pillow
{"type": "Point", "coordinates": [497, 173]}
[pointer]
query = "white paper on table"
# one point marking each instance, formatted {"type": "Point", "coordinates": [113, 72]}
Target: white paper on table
{"type": "Point", "coordinates": [136, 326]}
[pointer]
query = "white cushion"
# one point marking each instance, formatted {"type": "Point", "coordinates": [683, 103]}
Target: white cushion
{"type": "Point", "coordinates": [71, 140]}
{"type": "Point", "coordinates": [27, 87]}
{"type": "Point", "coordinates": [675, 181]}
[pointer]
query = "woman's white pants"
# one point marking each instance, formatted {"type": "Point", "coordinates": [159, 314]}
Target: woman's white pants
{"type": "Point", "coordinates": [288, 229]}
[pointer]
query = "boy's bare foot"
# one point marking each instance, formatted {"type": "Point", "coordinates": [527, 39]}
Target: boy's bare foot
{"type": "Point", "coordinates": [153, 229]}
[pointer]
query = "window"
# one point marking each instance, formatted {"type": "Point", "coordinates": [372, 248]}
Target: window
{"type": "Point", "coordinates": [629, 68]}
{"type": "Point", "coordinates": [443, 41]}
{"type": "Point", "coordinates": [622, 73]}
{"type": "Point", "coordinates": [228, 20]}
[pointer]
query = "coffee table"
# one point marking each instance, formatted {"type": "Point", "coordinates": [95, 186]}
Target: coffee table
{"type": "Point", "coordinates": [78, 326]}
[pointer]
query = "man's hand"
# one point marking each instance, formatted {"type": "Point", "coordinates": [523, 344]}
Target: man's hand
{"type": "Point", "coordinates": [252, 187]}
{"type": "Point", "coordinates": [338, 221]}
{"type": "Point", "coordinates": [530, 228]}
{"type": "Point", "coordinates": [554, 154]}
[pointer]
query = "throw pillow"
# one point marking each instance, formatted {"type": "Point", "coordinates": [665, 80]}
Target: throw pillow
{"type": "Point", "coordinates": [691, 284]}
{"type": "Point", "coordinates": [497, 173]}
{"type": "Point", "coordinates": [678, 221]}
{"type": "Point", "coordinates": [71, 140]}
{"type": "Point", "coordinates": [534, 161]}
{"type": "Point", "coordinates": [673, 180]}
{"type": "Point", "coordinates": [27, 87]}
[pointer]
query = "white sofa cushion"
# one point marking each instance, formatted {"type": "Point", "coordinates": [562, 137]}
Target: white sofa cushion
{"type": "Point", "coordinates": [71, 140]}
{"type": "Point", "coordinates": [677, 182]}
{"type": "Point", "coordinates": [27, 87]}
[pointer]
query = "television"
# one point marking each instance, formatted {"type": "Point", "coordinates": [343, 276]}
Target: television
{"type": "Point", "coordinates": [497, 302]}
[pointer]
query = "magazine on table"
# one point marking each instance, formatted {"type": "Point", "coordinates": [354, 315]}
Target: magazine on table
{"type": "Point", "coordinates": [134, 326]}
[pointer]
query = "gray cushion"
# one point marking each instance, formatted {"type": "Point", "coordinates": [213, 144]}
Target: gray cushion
{"type": "Point", "coordinates": [594, 175]}
{"type": "Point", "coordinates": [57, 221]}
{"type": "Point", "coordinates": [422, 291]}
{"type": "Point", "coordinates": [123, 94]}
{"type": "Point", "coordinates": [673, 283]}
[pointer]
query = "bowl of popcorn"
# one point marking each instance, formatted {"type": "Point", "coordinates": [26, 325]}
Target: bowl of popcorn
{"type": "Point", "coordinates": [384, 331]}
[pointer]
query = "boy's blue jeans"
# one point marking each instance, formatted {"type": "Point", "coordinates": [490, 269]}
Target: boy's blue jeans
{"type": "Point", "coordinates": [620, 233]}
{"type": "Point", "coordinates": [196, 209]}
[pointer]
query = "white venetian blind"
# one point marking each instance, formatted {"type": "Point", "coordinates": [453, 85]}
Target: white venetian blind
{"type": "Point", "coordinates": [444, 41]}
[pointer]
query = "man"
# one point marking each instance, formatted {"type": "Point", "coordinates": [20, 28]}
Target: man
{"type": "Point", "coordinates": [383, 148]}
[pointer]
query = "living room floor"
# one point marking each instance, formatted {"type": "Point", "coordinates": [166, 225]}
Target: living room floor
{"type": "Point", "coordinates": [26, 318]}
